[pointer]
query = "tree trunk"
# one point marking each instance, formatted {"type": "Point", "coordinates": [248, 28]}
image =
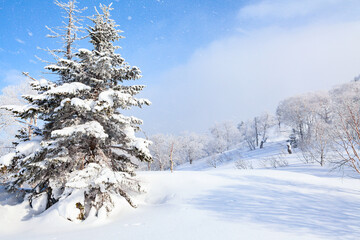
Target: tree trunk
{"type": "Point", "coordinates": [68, 34]}
{"type": "Point", "coordinates": [256, 132]}
{"type": "Point", "coordinates": [301, 132]}
{"type": "Point", "coordinates": [322, 159]}
{"type": "Point", "coordinates": [289, 149]}
{"type": "Point", "coordinates": [171, 158]}
{"type": "Point", "coordinates": [30, 127]}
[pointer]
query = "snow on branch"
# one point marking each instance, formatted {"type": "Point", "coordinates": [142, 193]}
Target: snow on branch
{"type": "Point", "coordinates": [92, 128]}
{"type": "Point", "coordinates": [68, 88]}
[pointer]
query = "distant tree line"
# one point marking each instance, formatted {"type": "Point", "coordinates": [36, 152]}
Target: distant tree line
{"type": "Point", "coordinates": [323, 125]}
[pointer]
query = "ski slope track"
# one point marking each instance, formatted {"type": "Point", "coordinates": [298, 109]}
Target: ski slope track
{"type": "Point", "coordinates": [299, 201]}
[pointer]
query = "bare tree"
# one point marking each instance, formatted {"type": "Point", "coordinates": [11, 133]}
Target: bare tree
{"type": "Point", "coordinates": [69, 31]}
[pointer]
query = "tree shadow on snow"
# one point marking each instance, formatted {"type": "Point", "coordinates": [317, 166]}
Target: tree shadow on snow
{"type": "Point", "coordinates": [318, 171]}
{"type": "Point", "coordinates": [7, 198]}
{"type": "Point", "coordinates": [287, 206]}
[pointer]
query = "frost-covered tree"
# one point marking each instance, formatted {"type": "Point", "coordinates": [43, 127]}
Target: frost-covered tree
{"type": "Point", "coordinates": [294, 112]}
{"type": "Point", "coordinates": [318, 144]}
{"type": "Point", "coordinates": [83, 155]}
{"type": "Point", "coordinates": [248, 133]}
{"type": "Point", "coordinates": [164, 149]}
{"type": "Point", "coordinates": [265, 122]}
{"type": "Point", "coordinates": [311, 116]}
{"type": "Point", "coordinates": [9, 125]}
{"type": "Point", "coordinates": [303, 111]}
{"type": "Point", "coordinates": [346, 124]}
{"type": "Point", "coordinates": [160, 152]}
{"type": "Point", "coordinates": [169, 149]}
{"type": "Point", "coordinates": [224, 136]}
{"type": "Point", "coordinates": [192, 147]}
{"type": "Point", "coordinates": [255, 132]}
{"type": "Point", "coordinates": [318, 147]}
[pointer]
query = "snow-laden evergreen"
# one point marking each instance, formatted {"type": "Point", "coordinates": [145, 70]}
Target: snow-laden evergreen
{"type": "Point", "coordinates": [86, 148]}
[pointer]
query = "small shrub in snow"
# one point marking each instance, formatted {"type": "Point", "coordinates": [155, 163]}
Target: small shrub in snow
{"type": "Point", "coordinates": [214, 161]}
{"type": "Point", "coordinates": [263, 163]}
{"type": "Point", "coordinates": [275, 161]}
{"type": "Point", "coordinates": [279, 162]}
{"type": "Point", "coordinates": [242, 164]}
{"type": "Point", "coordinates": [307, 157]}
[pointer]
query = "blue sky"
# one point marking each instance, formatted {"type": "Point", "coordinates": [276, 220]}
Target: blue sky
{"type": "Point", "coordinates": [206, 61]}
{"type": "Point", "coordinates": [159, 34]}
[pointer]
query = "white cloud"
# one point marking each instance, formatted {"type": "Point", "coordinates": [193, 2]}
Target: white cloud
{"type": "Point", "coordinates": [29, 33]}
{"type": "Point", "coordinates": [285, 9]}
{"type": "Point", "coordinates": [239, 77]}
{"type": "Point", "coordinates": [19, 40]}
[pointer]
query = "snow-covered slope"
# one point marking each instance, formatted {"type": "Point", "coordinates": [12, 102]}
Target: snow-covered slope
{"type": "Point", "coordinates": [300, 201]}
{"type": "Point", "coordinates": [258, 158]}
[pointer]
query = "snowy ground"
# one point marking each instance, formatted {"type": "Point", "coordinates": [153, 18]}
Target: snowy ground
{"type": "Point", "coordinates": [300, 201]}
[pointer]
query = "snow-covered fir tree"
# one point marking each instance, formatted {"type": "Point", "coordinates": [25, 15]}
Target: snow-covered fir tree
{"type": "Point", "coordinates": [83, 155]}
